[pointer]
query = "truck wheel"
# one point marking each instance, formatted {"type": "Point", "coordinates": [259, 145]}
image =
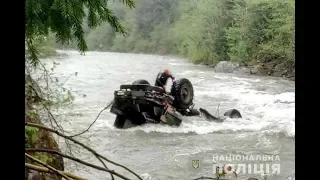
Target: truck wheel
{"type": "Point", "coordinates": [233, 113]}
{"type": "Point", "coordinates": [182, 91]}
{"type": "Point", "coordinates": [119, 121]}
{"type": "Point", "coordinates": [140, 81]}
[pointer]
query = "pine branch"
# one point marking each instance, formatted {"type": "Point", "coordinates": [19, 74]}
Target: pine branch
{"type": "Point", "coordinates": [81, 144]}
{"type": "Point", "coordinates": [129, 3]}
{"type": "Point", "coordinates": [64, 18]}
{"type": "Point", "coordinates": [48, 170]}
{"type": "Point", "coordinates": [32, 53]}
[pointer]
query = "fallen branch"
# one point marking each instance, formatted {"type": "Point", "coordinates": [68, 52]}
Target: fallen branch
{"type": "Point", "coordinates": [81, 144]}
{"type": "Point", "coordinates": [74, 159]}
{"type": "Point", "coordinates": [53, 118]}
{"type": "Point", "coordinates": [47, 170]}
{"type": "Point", "coordinates": [204, 177]}
{"type": "Point", "coordinates": [93, 121]}
{"type": "Point", "coordinates": [46, 165]}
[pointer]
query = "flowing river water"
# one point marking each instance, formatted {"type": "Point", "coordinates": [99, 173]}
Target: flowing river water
{"type": "Point", "coordinates": [264, 136]}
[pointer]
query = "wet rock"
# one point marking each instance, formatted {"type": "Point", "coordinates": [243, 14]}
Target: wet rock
{"type": "Point", "coordinates": [277, 74]}
{"type": "Point", "coordinates": [242, 70]}
{"type": "Point", "coordinates": [291, 74]}
{"type": "Point", "coordinates": [254, 70]}
{"type": "Point", "coordinates": [34, 175]}
{"type": "Point", "coordinates": [44, 140]}
{"type": "Point", "coordinates": [259, 70]}
{"type": "Point", "coordinates": [271, 64]}
{"type": "Point", "coordinates": [279, 70]}
{"type": "Point", "coordinates": [226, 67]}
{"type": "Point", "coordinates": [292, 78]}
{"type": "Point", "coordinates": [279, 67]}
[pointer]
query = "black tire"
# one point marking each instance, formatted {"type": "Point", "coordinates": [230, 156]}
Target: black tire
{"type": "Point", "coordinates": [119, 121]}
{"type": "Point", "coordinates": [140, 81]}
{"type": "Point", "coordinates": [233, 113]}
{"type": "Point", "coordinates": [182, 91]}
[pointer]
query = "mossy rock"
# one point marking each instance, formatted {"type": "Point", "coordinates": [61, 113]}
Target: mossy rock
{"type": "Point", "coordinates": [45, 140]}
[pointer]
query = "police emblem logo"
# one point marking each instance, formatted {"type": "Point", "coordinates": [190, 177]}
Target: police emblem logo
{"type": "Point", "coordinates": [195, 164]}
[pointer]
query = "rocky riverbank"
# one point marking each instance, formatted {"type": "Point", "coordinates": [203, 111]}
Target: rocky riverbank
{"type": "Point", "coordinates": [285, 70]}
{"type": "Point", "coordinates": [41, 139]}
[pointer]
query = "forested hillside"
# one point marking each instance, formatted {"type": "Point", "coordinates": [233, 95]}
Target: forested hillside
{"type": "Point", "coordinates": [245, 31]}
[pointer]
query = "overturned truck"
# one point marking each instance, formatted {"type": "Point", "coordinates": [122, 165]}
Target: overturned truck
{"type": "Point", "coordinates": [143, 103]}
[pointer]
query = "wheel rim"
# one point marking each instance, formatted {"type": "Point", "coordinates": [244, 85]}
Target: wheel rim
{"type": "Point", "coordinates": [185, 95]}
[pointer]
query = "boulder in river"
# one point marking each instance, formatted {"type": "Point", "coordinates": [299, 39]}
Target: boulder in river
{"type": "Point", "coordinates": [226, 67]}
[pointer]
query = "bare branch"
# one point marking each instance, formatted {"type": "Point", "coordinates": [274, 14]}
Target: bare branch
{"type": "Point", "coordinates": [52, 118]}
{"type": "Point", "coordinates": [46, 165]}
{"type": "Point", "coordinates": [74, 159]}
{"type": "Point", "coordinates": [47, 170]}
{"type": "Point", "coordinates": [204, 177]}
{"type": "Point", "coordinates": [50, 114]}
{"type": "Point", "coordinates": [111, 174]}
{"type": "Point", "coordinates": [93, 121]}
{"type": "Point", "coordinates": [81, 144]}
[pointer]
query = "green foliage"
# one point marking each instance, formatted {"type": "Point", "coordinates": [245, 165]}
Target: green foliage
{"type": "Point", "coordinates": [264, 30]}
{"type": "Point", "coordinates": [46, 46]}
{"type": "Point", "coordinates": [43, 158]}
{"type": "Point", "coordinates": [31, 135]}
{"type": "Point", "coordinates": [65, 19]}
{"type": "Point", "coordinates": [204, 31]}
{"type": "Point", "coordinates": [57, 21]}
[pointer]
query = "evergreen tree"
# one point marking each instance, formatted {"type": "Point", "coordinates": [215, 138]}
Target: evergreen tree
{"type": "Point", "coordinates": [65, 19]}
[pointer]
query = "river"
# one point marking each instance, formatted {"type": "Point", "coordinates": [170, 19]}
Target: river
{"type": "Point", "coordinates": [159, 152]}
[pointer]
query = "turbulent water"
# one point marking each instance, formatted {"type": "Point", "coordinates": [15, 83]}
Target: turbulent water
{"type": "Point", "coordinates": [160, 152]}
